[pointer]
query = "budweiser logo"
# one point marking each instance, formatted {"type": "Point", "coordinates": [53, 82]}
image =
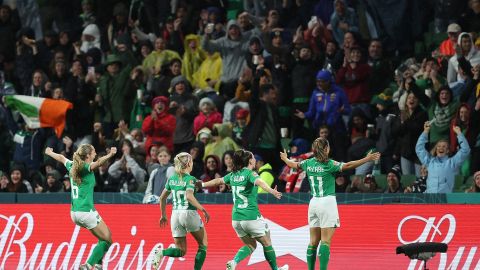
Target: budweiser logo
{"type": "Point", "coordinates": [432, 232]}
{"type": "Point", "coordinates": [15, 253]}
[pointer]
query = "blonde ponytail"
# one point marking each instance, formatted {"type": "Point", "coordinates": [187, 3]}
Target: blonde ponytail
{"type": "Point", "coordinates": [79, 158]}
{"type": "Point", "coordinates": [181, 162]}
{"type": "Point", "coordinates": [319, 147]}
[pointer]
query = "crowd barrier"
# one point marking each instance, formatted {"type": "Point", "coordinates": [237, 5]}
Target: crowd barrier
{"type": "Point", "coordinates": [42, 236]}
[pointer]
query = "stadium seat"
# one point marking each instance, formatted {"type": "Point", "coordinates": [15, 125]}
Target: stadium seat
{"type": "Point", "coordinates": [459, 184]}
{"type": "Point", "coordinates": [408, 179]}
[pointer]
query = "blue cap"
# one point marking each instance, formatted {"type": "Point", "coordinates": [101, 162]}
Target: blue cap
{"type": "Point", "coordinates": [258, 157]}
{"type": "Point", "coordinates": [324, 75]}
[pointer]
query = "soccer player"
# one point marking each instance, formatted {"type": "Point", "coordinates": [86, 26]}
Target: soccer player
{"type": "Point", "coordinates": [323, 215]}
{"type": "Point", "coordinates": [83, 213]}
{"type": "Point", "coordinates": [185, 217]}
{"type": "Point", "coordinates": [247, 221]}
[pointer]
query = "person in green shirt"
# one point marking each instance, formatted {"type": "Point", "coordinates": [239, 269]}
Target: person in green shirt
{"type": "Point", "coordinates": [323, 215]}
{"type": "Point", "coordinates": [185, 217]}
{"type": "Point", "coordinates": [247, 221]}
{"type": "Point", "coordinates": [83, 213]}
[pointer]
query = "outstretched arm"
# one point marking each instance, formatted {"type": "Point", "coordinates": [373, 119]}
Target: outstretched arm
{"type": "Point", "coordinates": [213, 183]}
{"type": "Point", "coordinates": [58, 157]}
{"type": "Point", "coordinates": [354, 164]}
{"type": "Point", "coordinates": [259, 182]}
{"type": "Point", "coordinates": [103, 159]}
{"type": "Point", "coordinates": [290, 163]}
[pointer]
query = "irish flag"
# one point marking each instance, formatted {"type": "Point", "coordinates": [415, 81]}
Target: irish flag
{"type": "Point", "coordinates": [40, 112]}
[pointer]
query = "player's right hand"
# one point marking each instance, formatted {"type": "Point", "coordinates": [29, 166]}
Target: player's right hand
{"type": "Point", "coordinates": [113, 151]}
{"type": "Point", "coordinates": [48, 150]}
{"type": "Point", "coordinates": [163, 222]}
{"type": "Point", "coordinates": [284, 155]}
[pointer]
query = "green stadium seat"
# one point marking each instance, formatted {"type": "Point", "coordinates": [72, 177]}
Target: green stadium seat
{"type": "Point", "coordinates": [408, 179]}
{"type": "Point", "coordinates": [459, 184]}
{"type": "Point", "coordinates": [381, 180]}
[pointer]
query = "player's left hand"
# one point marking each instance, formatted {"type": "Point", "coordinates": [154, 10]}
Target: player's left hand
{"type": "Point", "coordinates": [163, 222]}
{"type": "Point", "coordinates": [207, 216]}
{"type": "Point", "coordinates": [276, 193]}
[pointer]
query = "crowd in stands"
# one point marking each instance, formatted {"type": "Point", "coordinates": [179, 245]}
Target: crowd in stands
{"type": "Point", "coordinates": [208, 77]}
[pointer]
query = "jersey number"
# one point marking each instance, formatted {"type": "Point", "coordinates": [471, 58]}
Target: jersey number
{"type": "Point", "coordinates": [316, 185]}
{"type": "Point", "coordinates": [181, 200]}
{"type": "Point", "coordinates": [240, 197]}
{"type": "Point", "coordinates": [74, 192]}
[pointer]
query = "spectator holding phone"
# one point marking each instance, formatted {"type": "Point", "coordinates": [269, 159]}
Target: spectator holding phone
{"type": "Point", "coordinates": [442, 169]}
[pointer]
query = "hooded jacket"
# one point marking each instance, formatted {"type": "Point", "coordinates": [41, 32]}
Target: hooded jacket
{"type": "Point", "coordinates": [233, 52]}
{"type": "Point", "coordinates": [91, 30]}
{"type": "Point", "coordinates": [473, 57]}
{"type": "Point", "coordinates": [224, 143]}
{"type": "Point", "coordinates": [192, 60]}
{"type": "Point", "coordinates": [160, 129]}
{"type": "Point", "coordinates": [184, 128]}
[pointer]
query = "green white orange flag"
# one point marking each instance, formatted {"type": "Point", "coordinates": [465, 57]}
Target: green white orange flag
{"type": "Point", "coordinates": [40, 112]}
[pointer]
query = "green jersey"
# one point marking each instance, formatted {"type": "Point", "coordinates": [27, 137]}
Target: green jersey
{"type": "Point", "coordinates": [179, 186]}
{"type": "Point", "coordinates": [321, 175]}
{"type": "Point", "coordinates": [245, 206]}
{"type": "Point", "coordinates": [82, 195]}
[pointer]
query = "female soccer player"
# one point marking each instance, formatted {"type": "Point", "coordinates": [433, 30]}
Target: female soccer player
{"type": "Point", "coordinates": [323, 215]}
{"type": "Point", "coordinates": [247, 221]}
{"type": "Point", "coordinates": [185, 217]}
{"type": "Point", "coordinates": [83, 213]}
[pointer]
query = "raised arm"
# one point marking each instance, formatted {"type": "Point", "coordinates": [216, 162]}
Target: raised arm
{"type": "Point", "coordinates": [464, 151]}
{"type": "Point", "coordinates": [354, 164]}
{"type": "Point", "coordinates": [290, 163]}
{"type": "Point", "coordinates": [103, 159]}
{"type": "Point", "coordinates": [193, 201]}
{"type": "Point", "coordinates": [259, 182]}
{"type": "Point", "coordinates": [58, 157]}
{"type": "Point", "coordinates": [422, 153]}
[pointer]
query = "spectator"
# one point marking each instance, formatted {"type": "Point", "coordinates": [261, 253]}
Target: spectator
{"type": "Point", "coordinates": [354, 76]}
{"type": "Point", "coordinates": [361, 145]}
{"type": "Point", "coordinates": [90, 38]}
{"type": "Point", "coordinates": [407, 129]}
{"type": "Point", "coordinates": [447, 47]}
{"type": "Point", "coordinates": [462, 120]}
{"type": "Point", "coordinates": [265, 172]}
{"type": "Point", "coordinates": [464, 49]}
{"type": "Point", "coordinates": [193, 56]}
{"type": "Point", "coordinates": [26, 60]}
{"type": "Point", "coordinates": [87, 16]}
{"type": "Point", "coordinates": [342, 182]}
{"type": "Point", "coordinates": [428, 78]}
{"type": "Point", "coordinates": [227, 162]}
{"type": "Point", "coordinates": [471, 19]}
{"type": "Point", "coordinates": [112, 90]}
{"type": "Point", "coordinates": [393, 180]}
{"type": "Point", "coordinates": [158, 177]}
{"type": "Point", "coordinates": [38, 87]}
{"type": "Point", "coordinates": [367, 185]}
{"type": "Point", "coordinates": [197, 151]}
{"type": "Point", "coordinates": [343, 19]}
{"type": "Point", "coordinates": [184, 105]}
{"type": "Point", "coordinates": [207, 117]}
{"type": "Point", "coordinates": [154, 62]}
{"type": "Point", "coordinates": [475, 188]}
{"type": "Point", "coordinates": [212, 170]}
{"type": "Point", "coordinates": [263, 131]}
{"type": "Point", "coordinates": [4, 181]}
{"type": "Point", "coordinates": [441, 168]}
{"type": "Point", "coordinates": [221, 140]}
{"type": "Point", "coordinates": [209, 73]}
{"type": "Point", "coordinates": [151, 161]}
{"type": "Point", "coordinates": [241, 122]}
{"type": "Point", "coordinates": [381, 67]}
{"type": "Point", "coordinates": [384, 128]}
{"type": "Point", "coordinates": [204, 136]}
{"type": "Point", "coordinates": [233, 48]}
{"type": "Point", "coordinates": [118, 26]}
{"type": "Point", "coordinates": [419, 185]}
{"type": "Point", "coordinates": [327, 104]}
{"type": "Point", "coordinates": [126, 171]}
{"type": "Point", "coordinates": [52, 184]}
{"type": "Point", "coordinates": [160, 125]}
{"type": "Point", "coordinates": [17, 182]}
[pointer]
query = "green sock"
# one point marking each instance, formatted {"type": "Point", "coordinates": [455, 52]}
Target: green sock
{"type": "Point", "coordinates": [242, 253]}
{"type": "Point", "coordinates": [324, 254]}
{"type": "Point", "coordinates": [97, 254]}
{"type": "Point", "coordinates": [200, 257]}
{"type": "Point", "coordinates": [311, 257]}
{"type": "Point", "coordinates": [270, 256]}
{"type": "Point", "coordinates": [173, 252]}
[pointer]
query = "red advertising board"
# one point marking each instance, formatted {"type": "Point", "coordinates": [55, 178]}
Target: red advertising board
{"type": "Point", "coordinates": [43, 237]}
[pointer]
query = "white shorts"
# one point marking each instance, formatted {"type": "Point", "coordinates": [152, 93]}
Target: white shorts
{"type": "Point", "coordinates": [252, 228]}
{"type": "Point", "coordinates": [184, 221]}
{"type": "Point", "coordinates": [323, 212]}
{"type": "Point", "coordinates": [88, 220]}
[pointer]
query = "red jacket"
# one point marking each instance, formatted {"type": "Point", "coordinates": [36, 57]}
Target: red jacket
{"type": "Point", "coordinates": [159, 130]}
{"type": "Point", "coordinates": [202, 120]}
{"type": "Point", "coordinates": [355, 82]}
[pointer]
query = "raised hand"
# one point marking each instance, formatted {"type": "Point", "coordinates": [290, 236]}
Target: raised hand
{"type": "Point", "coordinates": [113, 151]}
{"type": "Point", "coordinates": [457, 130]}
{"type": "Point", "coordinates": [426, 127]}
{"type": "Point", "coordinates": [284, 155]}
{"type": "Point", "coordinates": [48, 151]}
